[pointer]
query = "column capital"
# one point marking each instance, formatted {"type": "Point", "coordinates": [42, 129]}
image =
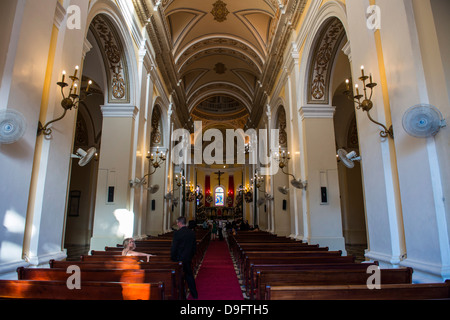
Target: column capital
{"type": "Point", "coordinates": [119, 111]}
{"type": "Point", "coordinates": [317, 112]}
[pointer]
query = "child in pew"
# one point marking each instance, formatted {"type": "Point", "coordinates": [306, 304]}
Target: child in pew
{"type": "Point", "coordinates": [129, 246]}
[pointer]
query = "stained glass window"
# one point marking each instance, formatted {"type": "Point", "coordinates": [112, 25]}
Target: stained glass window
{"type": "Point", "coordinates": [219, 196]}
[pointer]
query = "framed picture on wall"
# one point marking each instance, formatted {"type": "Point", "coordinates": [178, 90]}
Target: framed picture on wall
{"type": "Point", "coordinates": [74, 203]}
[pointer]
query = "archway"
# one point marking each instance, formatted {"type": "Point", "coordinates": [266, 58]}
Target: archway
{"type": "Point", "coordinates": [280, 210]}
{"type": "Point", "coordinates": [83, 180]}
{"type": "Point", "coordinates": [328, 69]}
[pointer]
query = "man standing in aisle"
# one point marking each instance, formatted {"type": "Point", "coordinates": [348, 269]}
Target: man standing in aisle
{"type": "Point", "coordinates": [184, 245]}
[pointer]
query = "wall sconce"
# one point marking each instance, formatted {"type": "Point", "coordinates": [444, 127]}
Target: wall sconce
{"type": "Point", "coordinates": [179, 180]}
{"type": "Point", "coordinates": [258, 181]}
{"type": "Point", "coordinates": [156, 160]}
{"type": "Point", "coordinates": [366, 104]}
{"type": "Point", "coordinates": [69, 102]}
{"type": "Point", "coordinates": [283, 158]}
{"type": "Point", "coordinates": [155, 163]}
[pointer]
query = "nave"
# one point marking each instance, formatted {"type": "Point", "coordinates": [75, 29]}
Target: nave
{"type": "Point", "coordinates": [249, 265]}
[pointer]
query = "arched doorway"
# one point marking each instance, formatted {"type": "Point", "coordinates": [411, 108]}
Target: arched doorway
{"type": "Point", "coordinates": [326, 68]}
{"type": "Point", "coordinates": [105, 63]}
{"type": "Point", "coordinates": [281, 212]}
{"type": "Point", "coordinates": [83, 179]}
{"type": "Point", "coordinates": [329, 68]}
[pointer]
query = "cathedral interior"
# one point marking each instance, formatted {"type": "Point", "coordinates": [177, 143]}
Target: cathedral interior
{"type": "Point", "coordinates": [319, 121]}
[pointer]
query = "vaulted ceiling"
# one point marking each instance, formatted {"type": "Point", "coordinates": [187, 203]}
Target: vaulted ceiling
{"type": "Point", "coordinates": [219, 51]}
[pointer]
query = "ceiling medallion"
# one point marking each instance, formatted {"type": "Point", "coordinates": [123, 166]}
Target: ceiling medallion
{"type": "Point", "coordinates": [220, 68]}
{"type": "Point", "coordinates": [220, 11]}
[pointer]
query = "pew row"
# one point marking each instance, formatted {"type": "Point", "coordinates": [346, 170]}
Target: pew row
{"type": "Point", "coordinates": [89, 290]}
{"type": "Point", "coordinates": [166, 276]}
{"type": "Point", "coordinates": [428, 291]}
{"type": "Point", "coordinates": [265, 278]}
{"type": "Point", "coordinates": [124, 265]}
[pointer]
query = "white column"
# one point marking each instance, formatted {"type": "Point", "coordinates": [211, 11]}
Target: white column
{"type": "Point", "coordinates": [379, 168]}
{"type": "Point", "coordinates": [114, 219]}
{"type": "Point", "coordinates": [270, 184]}
{"type": "Point", "coordinates": [325, 222]}
{"type": "Point", "coordinates": [418, 76]}
{"type": "Point", "coordinates": [295, 145]}
{"type": "Point", "coordinates": [143, 132]}
{"type": "Point", "coordinates": [23, 74]}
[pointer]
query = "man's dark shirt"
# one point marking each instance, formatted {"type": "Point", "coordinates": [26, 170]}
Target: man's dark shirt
{"type": "Point", "coordinates": [184, 245]}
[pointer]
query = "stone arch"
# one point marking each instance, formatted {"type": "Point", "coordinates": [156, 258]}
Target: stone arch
{"type": "Point", "coordinates": [108, 26]}
{"type": "Point", "coordinates": [324, 39]}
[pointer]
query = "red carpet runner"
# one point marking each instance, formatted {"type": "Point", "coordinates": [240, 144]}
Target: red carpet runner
{"type": "Point", "coordinates": [217, 279]}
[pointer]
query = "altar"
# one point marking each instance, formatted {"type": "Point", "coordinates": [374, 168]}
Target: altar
{"type": "Point", "coordinates": [220, 212]}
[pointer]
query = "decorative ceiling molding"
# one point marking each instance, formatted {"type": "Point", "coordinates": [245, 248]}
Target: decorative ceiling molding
{"type": "Point", "coordinates": [261, 32]}
{"type": "Point", "coordinates": [218, 88]}
{"type": "Point", "coordinates": [174, 15]}
{"type": "Point", "coordinates": [220, 11]}
{"type": "Point", "coordinates": [243, 75]}
{"type": "Point", "coordinates": [250, 41]}
{"type": "Point", "coordinates": [198, 55]}
{"type": "Point", "coordinates": [220, 41]}
{"type": "Point", "coordinates": [192, 77]}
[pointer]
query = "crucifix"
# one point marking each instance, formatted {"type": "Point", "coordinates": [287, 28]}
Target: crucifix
{"type": "Point", "coordinates": [219, 173]}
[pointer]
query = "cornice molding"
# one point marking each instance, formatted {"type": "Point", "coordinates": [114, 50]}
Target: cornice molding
{"type": "Point", "coordinates": [316, 112]}
{"type": "Point", "coordinates": [119, 111]}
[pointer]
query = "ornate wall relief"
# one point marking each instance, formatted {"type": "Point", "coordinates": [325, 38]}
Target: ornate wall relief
{"type": "Point", "coordinates": [156, 136]}
{"type": "Point", "coordinates": [323, 56]}
{"type": "Point", "coordinates": [281, 124]}
{"type": "Point", "coordinates": [114, 59]}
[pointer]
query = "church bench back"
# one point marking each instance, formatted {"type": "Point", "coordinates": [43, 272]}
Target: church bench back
{"type": "Point", "coordinates": [327, 277]}
{"type": "Point", "coordinates": [58, 290]}
{"type": "Point", "coordinates": [166, 276]}
{"type": "Point", "coordinates": [285, 254]}
{"type": "Point", "coordinates": [124, 258]}
{"type": "Point", "coordinates": [102, 265]}
{"type": "Point", "coordinates": [294, 260]}
{"type": "Point", "coordinates": [119, 252]}
{"type": "Point", "coordinates": [361, 292]}
{"type": "Point", "coordinates": [241, 249]}
{"type": "Point", "coordinates": [254, 268]}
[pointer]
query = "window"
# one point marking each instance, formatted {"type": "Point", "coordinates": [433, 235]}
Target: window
{"type": "Point", "coordinates": [219, 197]}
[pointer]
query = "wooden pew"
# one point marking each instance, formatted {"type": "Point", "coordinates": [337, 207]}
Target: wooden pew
{"type": "Point", "coordinates": [123, 265]}
{"type": "Point", "coordinates": [58, 290]}
{"type": "Point", "coordinates": [166, 276]}
{"type": "Point", "coordinates": [274, 278]}
{"type": "Point", "coordinates": [124, 258]}
{"type": "Point", "coordinates": [292, 260]}
{"type": "Point", "coordinates": [119, 252]}
{"type": "Point", "coordinates": [284, 254]}
{"type": "Point", "coordinates": [429, 291]}
{"type": "Point", "coordinates": [242, 248]}
{"type": "Point", "coordinates": [251, 283]}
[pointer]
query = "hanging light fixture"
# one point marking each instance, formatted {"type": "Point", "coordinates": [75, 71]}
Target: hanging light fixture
{"type": "Point", "coordinates": [366, 104]}
{"type": "Point", "coordinates": [68, 102]}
